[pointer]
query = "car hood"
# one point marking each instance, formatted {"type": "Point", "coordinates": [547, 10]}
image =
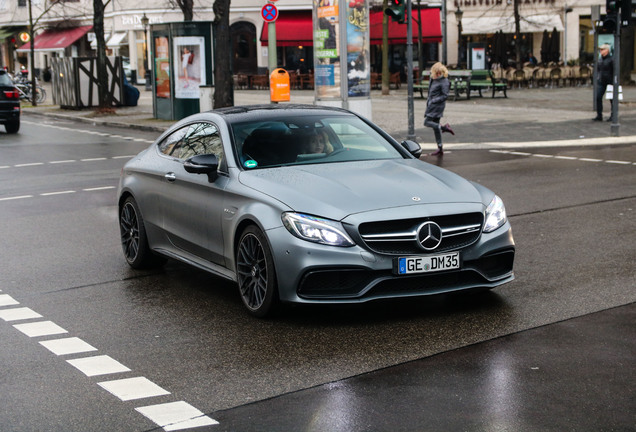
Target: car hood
{"type": "Point", "coordinates": [338, 190]}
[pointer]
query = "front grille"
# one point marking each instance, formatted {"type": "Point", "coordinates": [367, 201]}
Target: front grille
{"type": "Point", "coordinates": [399, 237]}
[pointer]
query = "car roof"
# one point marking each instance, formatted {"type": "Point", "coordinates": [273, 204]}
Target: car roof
{"type": "Point", "coordinates": [274, 111]}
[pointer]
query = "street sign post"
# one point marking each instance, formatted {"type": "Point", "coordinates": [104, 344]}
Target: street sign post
{"type": "Point", "coordinates": [269, 12]}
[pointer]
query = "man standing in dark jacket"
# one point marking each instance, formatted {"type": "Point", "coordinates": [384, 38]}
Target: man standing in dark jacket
{"type": "Point", "coordinates": [604, 76]}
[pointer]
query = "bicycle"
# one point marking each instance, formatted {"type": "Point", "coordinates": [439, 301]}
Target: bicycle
{"type": "Point", "coordinates": [26, 93]}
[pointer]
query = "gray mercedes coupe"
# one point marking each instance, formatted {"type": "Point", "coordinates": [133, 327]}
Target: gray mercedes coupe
{"type": "Point", "coordinates": [307, 204]}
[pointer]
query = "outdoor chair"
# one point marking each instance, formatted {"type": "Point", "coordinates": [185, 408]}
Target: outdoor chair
{"type": "Point", "coordinates": [555, 77]}
{"type": "Point", "coordinates": [520, 78]}
{"type": "Point", "coordinates": [585, 73]}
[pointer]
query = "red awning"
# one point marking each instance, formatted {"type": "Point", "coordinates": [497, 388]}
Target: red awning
{"type": "Point", "coordinates": [295, 28]}
{"type": "Point", "coordinates": [56, 40]}
{"type": "Point", "coordinates": [431, 28]}
{"type": "Point", "coordinates": [292, 29]}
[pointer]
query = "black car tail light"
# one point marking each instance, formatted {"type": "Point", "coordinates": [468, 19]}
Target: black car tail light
{"type": "Point", "coordinates": [12, 94]}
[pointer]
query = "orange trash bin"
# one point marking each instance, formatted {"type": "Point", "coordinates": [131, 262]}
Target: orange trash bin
{"type": "Point", "coordinates": [279, 86]}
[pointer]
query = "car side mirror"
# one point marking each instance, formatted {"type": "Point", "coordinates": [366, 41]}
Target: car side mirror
{"type": "Point", "coordinates": [203, 164]}
{"type": "Point", "coordinates": [412, 147]}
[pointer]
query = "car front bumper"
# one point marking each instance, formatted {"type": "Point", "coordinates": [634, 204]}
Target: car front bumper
{"type": "Point", "coordinates": [314, 273]}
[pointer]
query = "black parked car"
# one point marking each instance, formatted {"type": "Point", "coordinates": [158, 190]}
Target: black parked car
{"type": "Point", "coordinates": [9, 103]}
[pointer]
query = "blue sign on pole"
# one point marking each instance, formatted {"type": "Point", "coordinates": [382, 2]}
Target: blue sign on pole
{"type": "Point", "coordinates": [269, 12]}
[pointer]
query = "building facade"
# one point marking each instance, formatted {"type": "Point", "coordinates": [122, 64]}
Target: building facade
{"type": "Point", "coordinates": [65, 30]}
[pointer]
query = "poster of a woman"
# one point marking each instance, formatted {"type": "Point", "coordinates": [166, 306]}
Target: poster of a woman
{"type": "Point", "coordinates": [189, 65]}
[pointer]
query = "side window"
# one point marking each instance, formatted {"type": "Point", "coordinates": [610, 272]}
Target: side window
{"type": "Point", "coordinates": [195, 139]}
{"type": "Point", "coordinates": [167, 146]}
{"type": "Point", "coordinates": [201, 139]}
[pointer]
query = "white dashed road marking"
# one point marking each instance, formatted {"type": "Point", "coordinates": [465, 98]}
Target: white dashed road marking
{"type": "Point", "coordinates": [41, 328]}
{"type": "Point", "coordinates": [57, 193]}
{"type": "Point", "coordinates": [29, 164]}
{"type": "Point", "coordinates": [170, 416]}
{"type": "Point", "coordinates": [16, 198]}
{"type": "Point", "coordinates": [572, 158]}
{"type": "Point", "coordinates": [72, 345]}
{"type": "Point", "coordinates": [133, 388]}
{"type": "Point", "coordinates": [93, 159]}
{"type": "Point", "coordinates": [66, 192]}
{"type": "Point", "coordinates": [90, 132]}
{"type": "Point", "coordinates": [176, 415]}
{"type": "Point", "coordinates": [98, 188]}
{"type": "Point", "coordinates": [17, 314]}
{"type": "Point", "coordinates": [7, 300]}
{"type": "Point", "coordinates": [98, 365]}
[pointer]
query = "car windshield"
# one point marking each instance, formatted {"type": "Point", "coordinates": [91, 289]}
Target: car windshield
{"type": "Point", "coordinates": [5, 80]}
{"type": "Point", "coordinates": [309, 139]}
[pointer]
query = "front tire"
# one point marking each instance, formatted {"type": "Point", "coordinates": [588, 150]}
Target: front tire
{"type": "Point", "coordinates": [256, 275]}
{"type": "Point", "coordinates": [134, 240]}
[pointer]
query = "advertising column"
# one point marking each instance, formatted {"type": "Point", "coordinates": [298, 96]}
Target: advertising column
{"type": "Point", "coordinates": [341, 54]}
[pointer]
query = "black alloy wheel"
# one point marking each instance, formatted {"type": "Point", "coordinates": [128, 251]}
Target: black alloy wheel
{"type": "Point", "coordinates": [133, 237]}
{"type": "Point", "coordinates": [256, 275]}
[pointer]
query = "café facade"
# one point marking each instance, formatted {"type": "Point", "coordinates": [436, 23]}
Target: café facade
{"type": "Point", "coordinates": [467, 24]}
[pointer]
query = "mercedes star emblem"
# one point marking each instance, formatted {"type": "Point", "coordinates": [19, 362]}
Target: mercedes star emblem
{"type": "Point", "coordinates": [429, 235]}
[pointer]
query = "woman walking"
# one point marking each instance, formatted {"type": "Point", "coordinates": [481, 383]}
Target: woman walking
{"type": "Point", "coordinates": [437, 94]}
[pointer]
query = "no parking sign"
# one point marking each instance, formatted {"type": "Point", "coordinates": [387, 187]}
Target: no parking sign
{"type": "Point", "coordinates": [269, 12]}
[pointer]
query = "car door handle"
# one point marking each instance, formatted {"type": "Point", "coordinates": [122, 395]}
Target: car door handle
{"type": "Point", "coordinates": [170, 176]}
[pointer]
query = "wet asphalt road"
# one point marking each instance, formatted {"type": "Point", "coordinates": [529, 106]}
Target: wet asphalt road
{"type": "Point", "coordinates": [573, 221]}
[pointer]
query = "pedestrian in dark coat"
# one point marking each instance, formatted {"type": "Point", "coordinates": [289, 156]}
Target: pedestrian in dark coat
{"type": "Point", "coordinates": [604, 76]}
{"type": "Point", "coordinates": [438, 90]}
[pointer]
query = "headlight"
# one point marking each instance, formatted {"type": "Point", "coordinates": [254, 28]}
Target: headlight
{"type": "Point", "coordinates": [317, 230]}
{"type": "Point", "coordinates": [495, 215]}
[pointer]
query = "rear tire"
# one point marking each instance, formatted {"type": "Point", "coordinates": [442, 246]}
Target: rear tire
{"type": "Point", "coordinates": [134, 240]}
{"type": "Point", "coordinates": [40, 95]}
{"type": "Point", "coordinates": [12, 127]}
{"type": "Point", "coordinates": [256, 275]}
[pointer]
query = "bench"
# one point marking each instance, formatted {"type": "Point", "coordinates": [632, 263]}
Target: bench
{"type": "Point", "coordinates": [484, 80]}
{"type": "Point", "coordinates": [422, 86]}
{"type": "Point", "coordinates": [459, 83]}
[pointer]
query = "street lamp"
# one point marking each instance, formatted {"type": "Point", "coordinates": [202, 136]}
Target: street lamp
{"type": "Point", "coordinates": [458, 17]}
{"type": "Point", "coordinates": [144, 23]}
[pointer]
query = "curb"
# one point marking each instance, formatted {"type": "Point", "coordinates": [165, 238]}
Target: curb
{"type": "Point", "coordinates": [95, 122]}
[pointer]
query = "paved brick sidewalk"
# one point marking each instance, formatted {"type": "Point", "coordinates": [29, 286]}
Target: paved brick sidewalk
{"type": "Point", "coordinates": [538, 116]}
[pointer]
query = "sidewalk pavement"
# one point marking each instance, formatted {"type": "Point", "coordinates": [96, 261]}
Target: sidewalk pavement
{"type": "Point", "coordinates": [527, 118]}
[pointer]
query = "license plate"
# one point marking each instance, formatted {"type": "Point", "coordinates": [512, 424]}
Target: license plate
{"type": "Point", "coordinates": [426, 264]}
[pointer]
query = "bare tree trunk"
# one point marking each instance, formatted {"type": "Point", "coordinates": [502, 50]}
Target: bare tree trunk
{"type": "Point", "coordinates": [186, 7]}
{"type": "Point", "coordinates": [517, 35]}
{"type": "Point", "coordinates": [104, 99]}
{"type": "Point", "coordinates": [223, 89]}
{"type": "Point", "coordinates": [385, 49]}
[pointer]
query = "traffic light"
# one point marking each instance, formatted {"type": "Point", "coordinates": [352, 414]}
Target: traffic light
{"type": "Point", "coordinates": [626, 12]}
{"type": "Point", "coordinates": [609, 21]}
{"type": "Point", "coordinates": [396, 10]}
{"type": "Point", "coordinates": [609, 24]}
